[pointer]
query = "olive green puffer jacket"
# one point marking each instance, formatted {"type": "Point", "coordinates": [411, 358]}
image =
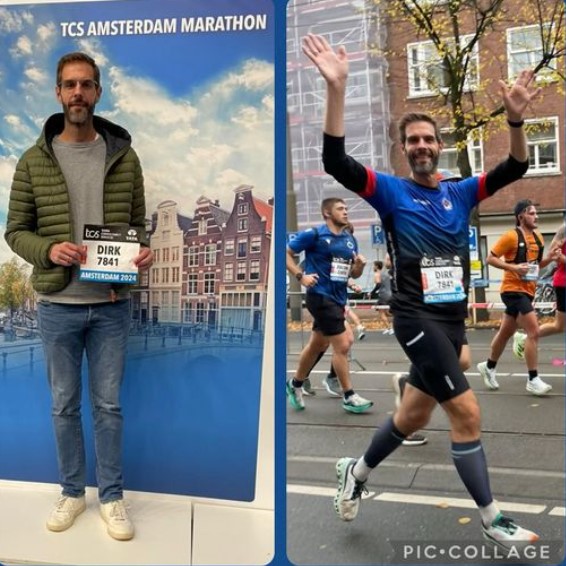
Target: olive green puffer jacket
{"type": "Point", "coordinates": [38, 213]}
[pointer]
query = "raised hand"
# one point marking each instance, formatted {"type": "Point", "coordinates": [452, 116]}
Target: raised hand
{"type": "Point", "coordinates": [333, 65]}
{"type": "Point", "coordinates": [517, 98]}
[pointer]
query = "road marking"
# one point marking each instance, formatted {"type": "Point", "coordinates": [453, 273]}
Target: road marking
{"type": "Point", "coordinates": [433, 501]}
{"type": "Point", "coordinates": [438, 467]}
{"type": "Point", "coordinates": [558, 512]}
{"type": "Point", "coordinates": [468, 374]}
{"type": "Point", "coordinates": [457, 502]}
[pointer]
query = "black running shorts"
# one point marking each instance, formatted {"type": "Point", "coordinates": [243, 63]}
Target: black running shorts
{"type": "Point", "coordinates": [329, 317]}
{"type": "Point", "coordinates": [433, 346]}
{"type": "Point", "coordinates": [517, 303]}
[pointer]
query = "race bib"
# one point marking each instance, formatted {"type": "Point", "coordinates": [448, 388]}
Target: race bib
{"type": "Point", "coordinates": [110, 251]}
{"type": "Point", "coordinates": [532, 273]}
{"type": "Point", "coordinates": [339, 269]}
{"type": "Point", "coordinates": [442, 279]}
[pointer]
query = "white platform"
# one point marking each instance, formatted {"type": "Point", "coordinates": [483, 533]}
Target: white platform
{"type": "Point", "coordinates": [169, 530]}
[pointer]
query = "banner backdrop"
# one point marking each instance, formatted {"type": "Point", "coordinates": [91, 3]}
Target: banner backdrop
{"type": "Point", "coordinates": [193, 84]}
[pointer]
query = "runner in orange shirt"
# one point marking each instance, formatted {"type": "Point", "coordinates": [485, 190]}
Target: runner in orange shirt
{"type": "Point", "coordinates": [519, 253]}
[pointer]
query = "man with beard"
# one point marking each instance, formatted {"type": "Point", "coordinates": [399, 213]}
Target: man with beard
{"type": "Point", "coordinates": [426, 223]}
{"type": "Point", "coordinates": [519, 253]}
{"type": "Point", "coordinates": [82, 170]}
{"type": "Point", "coordinates": [331, 258]}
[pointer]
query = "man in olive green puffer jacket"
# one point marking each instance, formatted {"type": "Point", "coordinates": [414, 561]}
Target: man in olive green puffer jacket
{"type": "Point", "coordinates": [82, 170]}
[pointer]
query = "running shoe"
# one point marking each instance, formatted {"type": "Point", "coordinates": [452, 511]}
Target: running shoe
{"type": "Point", "coordinates": [347, 499]}
{"type": "Point", "coordinates": [505, 533]}
{"type": "Point", "coordinates": [356, 404]}
{"type": "Point", "coordinates": [488, 376]}
{"type": "Point", "coordinates": [307, 387]}
{"type": "Point", "coordinates": [415, 440]}
{"type": "Point", "coordinates": [399, 381]}
{"type": "Point", "coordinates": [295, 396]}
{"type": "Point", "coordinates": [519, 345]}
{"type": "Point", "coordinates": [332, 385]}
{"type": "Point", "coordinates": [538, 387]}
{"type": "Point", "coordinates": [360, 332]}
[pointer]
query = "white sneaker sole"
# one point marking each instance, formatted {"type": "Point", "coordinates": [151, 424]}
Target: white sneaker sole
{"type": "Point", "coordinates": [539, 393]}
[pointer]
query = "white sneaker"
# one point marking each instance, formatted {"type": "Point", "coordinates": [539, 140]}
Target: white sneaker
{"type": "Point", "coordinates": [488, 376]}
{"type": "Point", "coordinates": [360, 332]}
{"type": "Point", "coordinates": [347, 499]}
{"type": "Point", "coordinates": [505, 533]}
{"type": "Point", "coordinates": [118, 523]}
{"type": "Point", "coordinates": [67, 509]}
{"type": "Point", "coordinates": [356, 404]}
{"type": "Point", "coordinates": [519, 345]}
{"type": "Point", "coordinates": [538, 387]}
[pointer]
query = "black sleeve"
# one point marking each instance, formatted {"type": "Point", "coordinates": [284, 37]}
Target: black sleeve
{"type": "Point", "coordinates": [506, 172]}
{"type": "Point", "coordinates": [345, 169]}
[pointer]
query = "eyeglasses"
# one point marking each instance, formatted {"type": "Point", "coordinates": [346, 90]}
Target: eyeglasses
{"type": "Point", "coordinates": [71, 84]}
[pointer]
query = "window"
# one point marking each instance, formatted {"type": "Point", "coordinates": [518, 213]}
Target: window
{"type": "Point", "coordinates": [254, 270]}
{"type": "Point", "coordinates": [243, 208]}
{"type": "Point", "coordinates": [156, 254]}
{"type": "Point", "coordinates": [210, 254]}
{"type": "Point", "coordinates": [165, 298]}
{"type": "Point", "coordinates": [202, 226]}
{"type": "Point", "coordinates": [192, 284]}
{"type": "Point", "coordinates": [525, 49]}
{"type": "Point", "coordinates": [242, 248]}
{"type": "Point", "coordinates": [165, 235]}
{"type": "Point", "coordinates": [175, 253]}
{"type": "Point", "coordinates": [155, 297]}
{"type": "Point", "coordinates": [427, 73]}
{"type": "Point", "coordinates": [229, 247]}
{"type": "Point", "coordinates": [144, 279]}
{"type": "Point", "coordinates": [175, 275]}
{"type": "Point", "coordinates": [228, 272]}
{"type": "Point", "coordinates": [241, 275]}
{"type": "Point", "coordinates": [542, 141]}
{"type": "Point", "coordinates": [242, 224]}
{"type": "Point", "coordinates": [193, 256]}
{"type": "Point", "coordinates": [165, 275]}
{"type": "Point", "coordinates": [255, 244]}
{"type": "Point", "coordinates": [165, 218]}
{"type": "Point", "coordinates": [165, 255]}
{"type": "Point", "coordinates": [155, 275]}
{"type": "Point", "coordinates": [448, 157]}
{"type": "Point", "coordinates": [209, 283]}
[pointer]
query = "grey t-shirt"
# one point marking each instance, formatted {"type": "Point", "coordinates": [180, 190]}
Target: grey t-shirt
{"type": "Point", "coordinates": [82, 165]}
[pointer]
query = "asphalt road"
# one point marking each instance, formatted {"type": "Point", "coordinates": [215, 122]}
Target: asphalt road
{"type": "Point", "coordinates": [417, 510]}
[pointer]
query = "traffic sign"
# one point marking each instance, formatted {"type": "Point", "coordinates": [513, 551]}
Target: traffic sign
{"type": "Point", "coordinates": [377, 235]}
{"type": "Point", "coordinates": [473, 236]}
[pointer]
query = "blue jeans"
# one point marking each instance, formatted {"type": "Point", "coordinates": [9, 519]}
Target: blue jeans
{"type": "Point", "coordinates": [67, 332]}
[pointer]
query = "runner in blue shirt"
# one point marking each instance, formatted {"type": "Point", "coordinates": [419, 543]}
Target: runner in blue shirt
{"type": "Point", "coordinates": [426, 224]}
{"type": "Point", "coordinates": [331, 258]}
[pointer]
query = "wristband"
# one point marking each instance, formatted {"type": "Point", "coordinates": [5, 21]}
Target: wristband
{"type": "Point", "coordinates": [299, 275]}
{"type": "Point", "coordinates": [516, 124]}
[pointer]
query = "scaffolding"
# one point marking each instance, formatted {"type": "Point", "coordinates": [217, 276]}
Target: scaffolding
{"type": "Point", "coordinates": [354, 24]}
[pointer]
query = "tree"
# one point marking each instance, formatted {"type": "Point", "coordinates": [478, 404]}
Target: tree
{"type": "Point", "coordinates": [15, 287]}
{"type": "Point", "coordinates": [450, 72]}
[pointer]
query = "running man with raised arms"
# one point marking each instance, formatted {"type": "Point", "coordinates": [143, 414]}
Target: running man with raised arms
{"type": "Point", "coordinates": [426, 224]}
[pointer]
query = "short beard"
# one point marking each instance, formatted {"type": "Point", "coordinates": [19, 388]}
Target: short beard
{"type": "Point", "coordinates": [78, 118]}
{"type": "Point", "coordinates": [424, 168]}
